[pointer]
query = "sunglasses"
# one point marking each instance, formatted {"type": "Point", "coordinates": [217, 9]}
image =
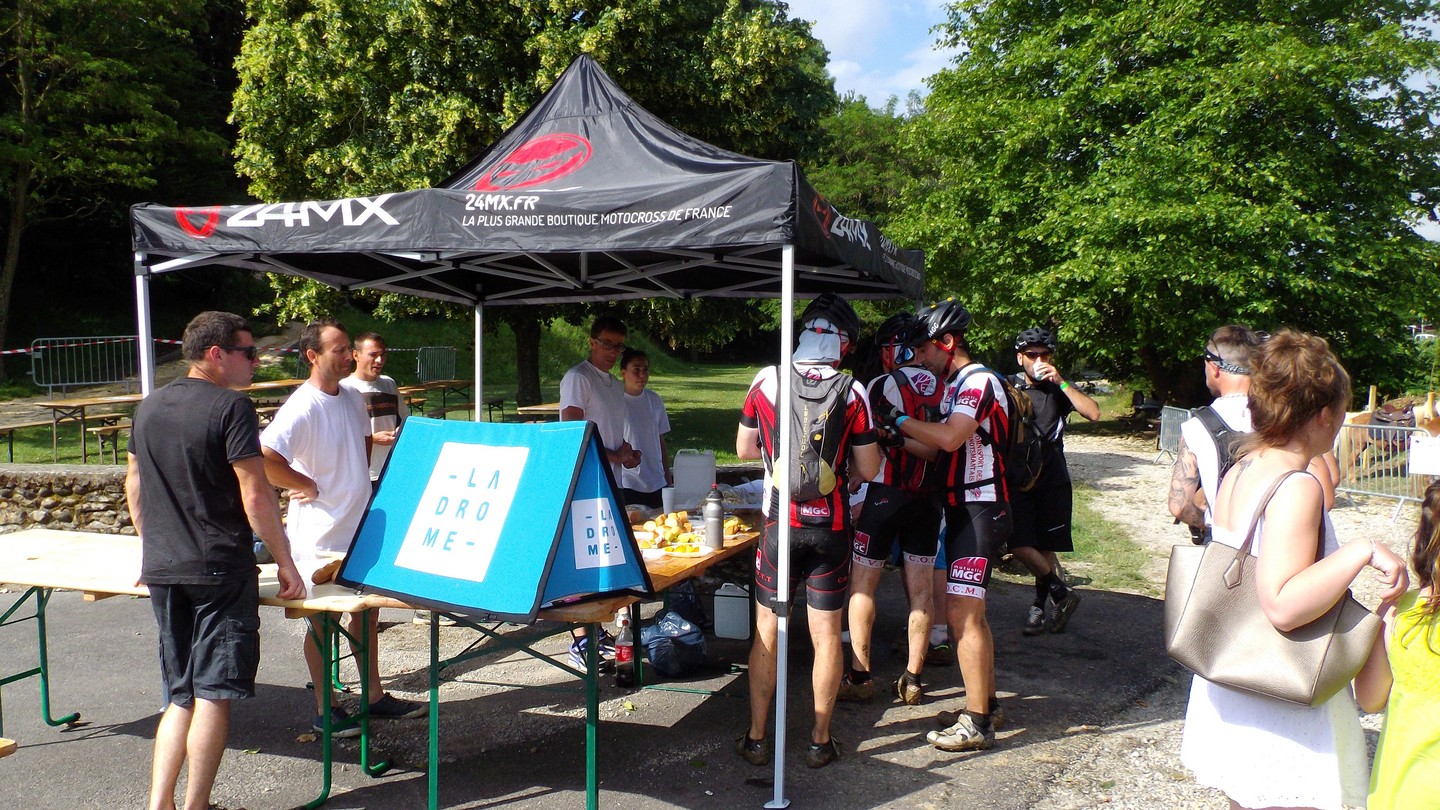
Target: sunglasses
{"type": "Point", "coordinates": [1036, 355]}
{"type": "Point", "coordinates": [251, 352]}
{"type": "Point", "coordinates": [614, 347]}
{"type": "Point", "coordinates": [1225, 365]}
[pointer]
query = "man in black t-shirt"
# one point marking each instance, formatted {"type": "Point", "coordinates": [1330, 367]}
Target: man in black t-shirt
{"type": "Point", "coordinates": [197, 490]}
{"type": "Point", "coordinates": [1042, 515]}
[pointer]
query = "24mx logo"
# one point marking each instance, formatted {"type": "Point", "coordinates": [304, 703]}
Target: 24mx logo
{"type": "Point", "coordinates": [546, 158]}
{"type": "Point", "coordinates": [353, 211]}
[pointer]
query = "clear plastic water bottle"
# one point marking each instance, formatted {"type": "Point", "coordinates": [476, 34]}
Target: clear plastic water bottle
{"type": "Point", "coordinates": [714, 518]}
{"type": "Point", "coordinates": [624, 651]}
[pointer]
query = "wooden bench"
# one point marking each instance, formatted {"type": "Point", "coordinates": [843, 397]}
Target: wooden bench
{"type": "Point", "coordinates": [7, 747]}
{"type": "Point", "coordinates": [492, 404]}
{"type": "Point", "coordinates": [8, 431]}
{"type": "Point", "coordinates": [442, 413]}
{"type": "Point", "coordinates": [110, 432]}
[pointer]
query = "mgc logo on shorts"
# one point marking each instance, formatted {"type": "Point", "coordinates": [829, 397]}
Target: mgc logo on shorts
{"type": "Point", "coordinates": [862, 543]}
{"type": "Point", "coordinates": [967, 577]}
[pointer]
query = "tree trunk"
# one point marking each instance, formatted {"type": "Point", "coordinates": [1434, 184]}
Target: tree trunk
{"type": "Point", "coordinates": [526, 327]}
{"type": "Point", "coordinates": [15, 229]}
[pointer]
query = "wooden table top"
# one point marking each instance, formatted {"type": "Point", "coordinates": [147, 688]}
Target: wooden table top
{"type": "Point", "coordinates": [102, 565]}
{"type": "Point", "coordinates": [90, 402]}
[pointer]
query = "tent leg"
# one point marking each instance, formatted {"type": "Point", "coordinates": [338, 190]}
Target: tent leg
{"type": "Point", "coordinates": [479, 387]}
{"type": "Point", "coordinates": [782, 522]}
{"type": "Point", "coordinates": [145, 341]}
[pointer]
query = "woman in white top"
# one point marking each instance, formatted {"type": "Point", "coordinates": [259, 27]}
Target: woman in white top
{"type": "Point", "coordinates": [1260, 751]}
{"type": "Point", "coordinates": [646, 425]}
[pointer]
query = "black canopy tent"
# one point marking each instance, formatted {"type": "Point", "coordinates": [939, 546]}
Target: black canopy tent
{"type": "Point", "coordinates": [588, 197]}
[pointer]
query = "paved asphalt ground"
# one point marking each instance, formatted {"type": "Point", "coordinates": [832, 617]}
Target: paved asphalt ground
{"type": "Point", "coordinates": [512, 731]}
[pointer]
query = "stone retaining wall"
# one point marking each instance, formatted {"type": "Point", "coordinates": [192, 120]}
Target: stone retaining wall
{"type": "Point", "coordinates": [91, 497]}
{"type": "Point", "coordinates": [64, 496]}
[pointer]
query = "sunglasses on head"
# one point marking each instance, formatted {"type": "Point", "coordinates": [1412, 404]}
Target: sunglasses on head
{"type": "Point", "coordinates": [251, 352]}
{"type": "Point", "coordinates": [1225, 365]}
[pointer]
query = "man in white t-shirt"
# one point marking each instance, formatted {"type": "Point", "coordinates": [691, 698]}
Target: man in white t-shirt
{"type": "Point", "coordinates": [588, 391]}
{"type": "Point", "coordinates": [318, 447]}
{"type": "Point", "coordinates": [387, 411]}
{"type": "Point", "coordinates": [1196, 477]}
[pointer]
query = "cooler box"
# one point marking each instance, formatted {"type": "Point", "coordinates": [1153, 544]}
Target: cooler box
{"type": "Point", "coordinates": [694, 472]}
{"type": "Point", "coordinates": [732, 611]}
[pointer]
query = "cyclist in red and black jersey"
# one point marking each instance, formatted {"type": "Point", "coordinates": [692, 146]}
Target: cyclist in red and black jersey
{"type": "Point", "coordinates": [974, 422]}
{"type": "Point", "coordinates": [899, 507]}
{"type": "Point", "coordinates": [819, 531]}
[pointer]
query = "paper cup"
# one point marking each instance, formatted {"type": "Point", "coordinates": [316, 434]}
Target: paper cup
{"type": "Point", "coordinates": [667, 499]}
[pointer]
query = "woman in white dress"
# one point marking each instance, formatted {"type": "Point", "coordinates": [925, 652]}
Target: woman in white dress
{"type": "Point", "coordinates": [1263, 752]}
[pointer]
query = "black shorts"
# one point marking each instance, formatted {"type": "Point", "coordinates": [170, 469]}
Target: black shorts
{"type": "Point", "coordinates": [1042, 516]}
{"type": "Point", "coordinates": [209, 639]}
{"type": "Point", "coordinates": [818, 556]}
{"type": "Point", "coordinates": [891, 514]}
{"type": "Point", "coordinates": [974, 535]}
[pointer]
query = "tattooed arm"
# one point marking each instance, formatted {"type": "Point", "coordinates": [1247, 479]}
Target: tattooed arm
{"type": "Point", "coordinates": [1187, 499]}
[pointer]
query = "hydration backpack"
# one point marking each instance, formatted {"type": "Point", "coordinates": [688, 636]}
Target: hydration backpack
{"type": "Point", "coordinates": [1227, 439]}
{"type": "Point", "coordinates": [1022, 455]}
{"type": "Point", "coordinates": [817, 413]}
{"type": "Point", "coordinates": [911, 472]}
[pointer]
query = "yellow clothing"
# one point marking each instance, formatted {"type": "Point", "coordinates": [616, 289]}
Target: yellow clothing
{"type": "Point", "coordinates": [1407, 761]}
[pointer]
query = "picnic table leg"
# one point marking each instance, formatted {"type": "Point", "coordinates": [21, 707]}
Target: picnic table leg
{"type": "Point", "coordinates": [592, 716]}
{"type": "Point", "coordinates": [323, 641]}
{"type": "Point", "coordinates": [433, 767]}
{"type": "Point", "coordinates": [362, 664]}
{"type": "Point", "coordinates": [42, 598]}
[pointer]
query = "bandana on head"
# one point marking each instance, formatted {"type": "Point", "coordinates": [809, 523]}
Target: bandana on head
{"type": "Point", "coordinates": [819, 343]}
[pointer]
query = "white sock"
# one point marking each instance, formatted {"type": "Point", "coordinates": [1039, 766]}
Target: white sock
{"type": "Point", "coordinates": [937, 634]}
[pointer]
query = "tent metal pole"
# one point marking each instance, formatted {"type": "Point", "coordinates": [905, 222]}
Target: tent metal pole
{"type": "Point", "coordinates": [479, 387]}
{"type": "Point", "coordinates": [145, 338]}
{"type": "Point", "coordinates": [782, 520]}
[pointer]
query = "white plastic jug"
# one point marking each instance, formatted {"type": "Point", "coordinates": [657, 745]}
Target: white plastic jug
{"type": "Point", "coordinates": [732, 611]}
{"type": "Point", "coordinates": [694, 475]}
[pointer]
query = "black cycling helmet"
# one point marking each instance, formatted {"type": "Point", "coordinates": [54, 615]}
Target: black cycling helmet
{"type": "Point", "coordinates": [896, 329]}
{"type": "Point", "coordinates": [837, 311]}
{"type": "Point", "coordinates": [1035, 336]}
{"type": "Point", "coordinates": [939, 318]}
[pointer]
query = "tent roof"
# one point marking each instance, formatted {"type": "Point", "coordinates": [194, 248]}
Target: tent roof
{"type": "Point", "coordinates": [588, 197]}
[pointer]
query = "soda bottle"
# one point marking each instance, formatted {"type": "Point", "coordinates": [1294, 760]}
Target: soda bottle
{"type": "Point", "coordinates": [624, 652]}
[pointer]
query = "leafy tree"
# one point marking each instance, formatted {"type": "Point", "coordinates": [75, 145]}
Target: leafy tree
{"type": "Point", "coordinates": [95, 103]}
{"type": "Point", "coordinates": [1140, 172]}
{"type": "Point", "coordinates": [349, 97]}
{"type": "Point", "coordinates": [863, 166]}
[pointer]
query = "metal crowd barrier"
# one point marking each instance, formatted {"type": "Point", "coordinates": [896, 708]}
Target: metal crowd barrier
{"type": "Point", "coordinates": [68, 362]}
{"type": "Point", "coordinates": [435, 363]}
{"type": "Point", "coordinates": [1168, 440]}
{"type": "Point", "coordinates": [1375, 460]}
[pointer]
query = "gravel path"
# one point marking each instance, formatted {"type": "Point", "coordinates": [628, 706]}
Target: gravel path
{"type": "Point", "coordinates": [1135, 760]}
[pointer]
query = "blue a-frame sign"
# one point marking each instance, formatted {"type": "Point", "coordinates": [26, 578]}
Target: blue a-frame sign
{"type": "Point", "coordinates": [493, 518]}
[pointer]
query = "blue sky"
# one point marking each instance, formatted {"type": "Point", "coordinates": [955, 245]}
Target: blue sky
{"type": "Point", "coordinates": [878, 48]}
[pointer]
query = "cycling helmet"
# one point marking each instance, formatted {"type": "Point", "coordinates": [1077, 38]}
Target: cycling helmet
{"type": "Point", "coordinates": [837, 311]}
{"type": "Point", "coordinates": [896, 328]}
{"type": "Point", "coordinates": [1035, 336]}
{"type": "Point", "coordinates": [939, 318]}
{"type": "Point", "coordinates": [894, 336]}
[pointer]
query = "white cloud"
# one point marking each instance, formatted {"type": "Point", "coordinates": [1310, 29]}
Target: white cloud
{"type": "Point", "coordinates": [877, 48]}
